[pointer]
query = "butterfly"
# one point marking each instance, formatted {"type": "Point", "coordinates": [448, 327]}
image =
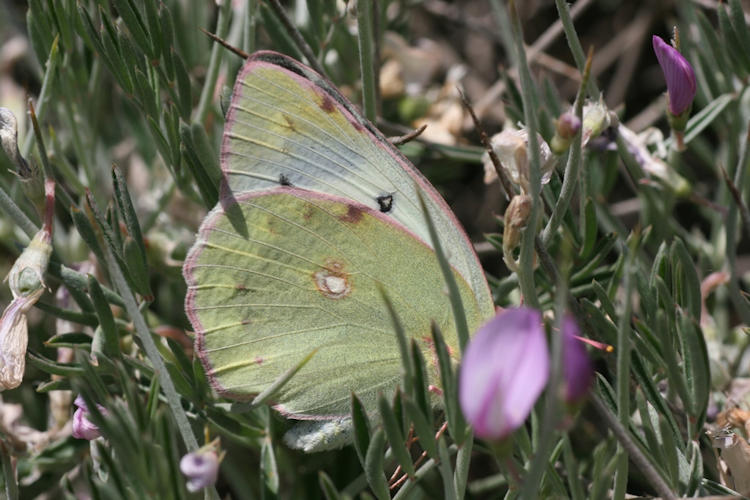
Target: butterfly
{"type": "Point", "coordinates": [317, 211]}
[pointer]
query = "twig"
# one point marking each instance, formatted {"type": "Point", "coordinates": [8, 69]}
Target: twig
{"type": "Point", "coordinates": [504, 181]}
{"type": "Point", "coordinates": [226, 44]}
{"type": "Point", "coordinates": [403, 139]}
{"type": "Point", "coordinates": [744, 213]}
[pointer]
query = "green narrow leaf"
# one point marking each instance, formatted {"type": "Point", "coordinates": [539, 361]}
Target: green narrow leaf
{"type": "Point", "coordinates": [272, 389]}
{"type": "Point", "coordinates": [395, 436]}
{"type": "Point", "coordinates": [327, 486]}
{"type": "Point", "coordinates": [69, 339]}
{"type": "Point", "coordinates": [84, 318]}
{"type": "Point", "coordinates": [269, 472]}
{"type": "Point", "coordinates": [695, 368]}
{"type": "Point", "coordinates": [706, 116]}
{"type": "Point", "coordinates": [54, 385]}
{"type": "Point", "coordinates": [208, 189]}
{"type": "Point", "coordinates": [167, 35]}
{"type": "Point", "coordinates": [421, 380]}
{"type": "Point", "coordinates": [459, 315]}
{"type": "Point", "coordinates": [398, 329]}
{"type": "Point", "coordinates": [604, 300]}
{"type": "Point", "coordinates": [134, 22]}
{"type": "Point", "coordinates": [137, 267]}
{"type": "Point", "coordinates": [152, 404]}
{"type": "Point", "coordinates": [205, 153]}
{"type": "Point", "coordinates": [686, 284]}
{"type": "Point", "coordinates": [86, 230]}
{"type": "Point", "coordinates": [110, 335]}
{"type": "Point", "coordinates": [589, 229]}
{"type": "Point", "coordinates": [374, 466]}
{"type": "Point", "coordinates": [127, 210]}
{"type": "Point", "coordinates": [185, 103]}
{"type": "Point", "coordinates": [53, 367]}
{"type": "Point", "coordinates": [361, 426]}
{"type": "Point", "coordinates": [456, 422]}
{"type": "Point", "coordinates": [423, 428]}
{"type": "Point", "coordinates": [154, 29]}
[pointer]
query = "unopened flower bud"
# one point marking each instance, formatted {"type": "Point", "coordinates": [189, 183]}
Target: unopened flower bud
{"type": "Point", "coordinates": [566, 128]}
{"type": "Point", "coordinates": [9, 142]}
{"type": "Point", "coordinates": [27, 285]}
{"type": "Point", "coordinates": [516, 216]}
{"type": "Point", "coordinates": [26, 276]}
{"type": "Point", "coordinates": [596, 118]}
{"type": "Point", "coordinates": [511, 147]}
{"type": "Point", "coordinates": [13, 342]}
{"type": "Point", "coordinates": [82, 426]}
{"type": "Point", "coordinates": [680, 77]}
{"type": "Point", "coordinates": [201, 469]}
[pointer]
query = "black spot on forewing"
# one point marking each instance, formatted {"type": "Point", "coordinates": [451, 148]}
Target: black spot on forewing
{"type": "Point", "coordinates": [385, 202]}
{"type": "Point", "coordinates": [284, 180]}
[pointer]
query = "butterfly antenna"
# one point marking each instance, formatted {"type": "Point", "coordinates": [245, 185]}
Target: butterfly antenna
{"type": "Point", "coordinates": [226, 44]}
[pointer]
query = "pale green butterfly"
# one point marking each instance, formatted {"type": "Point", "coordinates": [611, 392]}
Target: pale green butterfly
{"type": "Point", "coordinates": [318, 208]}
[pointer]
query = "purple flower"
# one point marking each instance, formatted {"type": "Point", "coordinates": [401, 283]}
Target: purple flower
{"type": "Point", "coordinates": [679, 76]}
{"type": "Point", "coordinates": [504, 370]}
{"type": "Point", "coordinates": [577, 371]}
{"type": "Point", "coordinates": [200, 468]}
{"type": "Point", "coordinates": [82, 427]}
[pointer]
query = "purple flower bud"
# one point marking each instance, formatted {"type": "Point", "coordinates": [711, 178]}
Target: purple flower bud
{"type": "Point", "coordinates": [577, 370]}
{"type": "Point", "coordinates": [200, 468]}
{"type": "Point", "coordinates": [82, 427]}
{"type": "Point", "coordinates": [504, 370]}
{"type": "Point", "coordinates": [679, 75]}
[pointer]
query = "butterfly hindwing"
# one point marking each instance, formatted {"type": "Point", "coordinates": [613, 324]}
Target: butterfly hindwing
{"type": "Point", "coordinates": [304, 277]}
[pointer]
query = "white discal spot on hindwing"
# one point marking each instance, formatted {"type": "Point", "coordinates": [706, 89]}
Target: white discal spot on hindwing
{"type": "Point", "coordinates": [332, 281]}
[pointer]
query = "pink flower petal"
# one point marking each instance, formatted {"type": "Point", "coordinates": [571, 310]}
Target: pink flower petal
{"type": "Point", "coordinates": [504, 370]}
{"type": "Point", "coordinates": [678, 73]}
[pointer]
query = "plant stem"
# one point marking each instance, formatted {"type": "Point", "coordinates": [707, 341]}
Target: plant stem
{"type": "Point", "coordinates": [623, 369]}
{"type": "Point", "coordinates": [207, 93]}
{"type": "Point", "coordinates": [574, 43]}
{"type": "Point", "coordinates": [572, 167]}
{"type": "Point", "coordinates": [739, 302]}
{"type": "Point", "coordinates": [366, 63]}
{"type": "Point", "coordinates": [299, 40]}
{"type": "Point", "coordinates": [526, 274]}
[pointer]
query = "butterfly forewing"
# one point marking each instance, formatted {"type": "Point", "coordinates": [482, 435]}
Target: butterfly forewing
{"type": "Point", "coordinates": [288, 126]}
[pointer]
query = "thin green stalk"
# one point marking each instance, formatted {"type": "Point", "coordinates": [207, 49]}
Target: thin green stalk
{"type": "Point", "coordinates": [366, 62]}
{"type": "Point", "coordinates": [299, 40]}
{"type": "Point", "coordinates": [19, 217]}
{"type": "Point", "coordinates": [739, 302]}
{"type": "Point", "coordinates": [152, 352]}
{"type": "Point", "coordinates": [463, 460]}
{"type": "Point", "coordinates": [623, 369]}
{"type": "Point", "coordinates": [249, 26]}
{"type": "Point", "coordinates": [222, 26]}
{"type": "Point", "coordinates": [572, 167]}
{"type": "Point", "coordinates": [449, 486]}
{"type": "Point", "coordinates": [563, 10]}
{"type": "Point", "coordinates": [552, 413]}
{"type": "Point", "coordinates": [49, 72]}
{"type": "Point", "coordinates": [526, 274]}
